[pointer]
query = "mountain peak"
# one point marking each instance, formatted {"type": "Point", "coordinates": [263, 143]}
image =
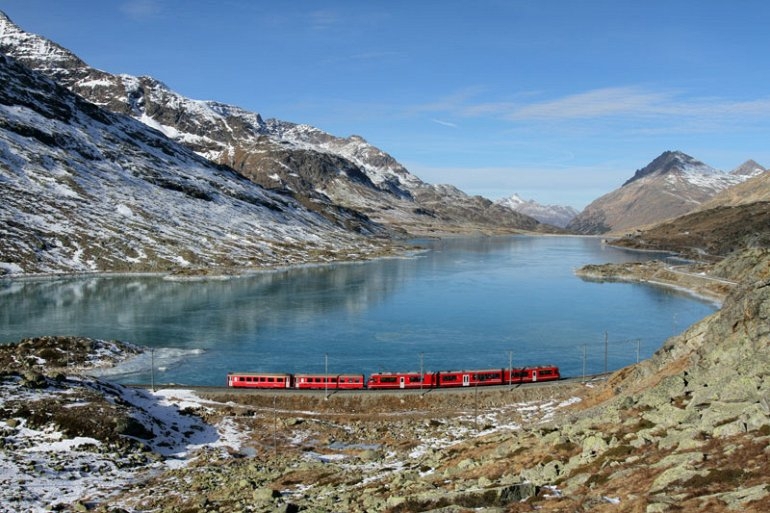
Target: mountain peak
{"type": "Point", "coordinates": [669, 161]}
{"type": "Point", "coordinates": [749, 168]}
{"type": "Point", "coordinates": [31, 49]}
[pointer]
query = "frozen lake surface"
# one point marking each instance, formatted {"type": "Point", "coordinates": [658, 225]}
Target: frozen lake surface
{"type": "Point", "coordinates": [464, 303]}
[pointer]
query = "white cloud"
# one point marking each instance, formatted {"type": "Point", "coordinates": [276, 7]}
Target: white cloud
{"type": "Point", "coordinates": [141, 9]}
{"type": "Point", "coordinates": [445, 123]}
{"type": "Point", "coordinates": [617, 101]}
{"type": "Point", "coordinates": [624, 104]}
{"type": "Point", "coordinates": [323, 19]}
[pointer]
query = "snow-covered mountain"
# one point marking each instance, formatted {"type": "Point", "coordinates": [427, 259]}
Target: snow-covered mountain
{"type": "Point", "coordinates": [556, 215]}
{"type": "Point", "coordinates": [345, 179]}
{"type": "Point", "coordinates": [671, 185]}
{"type": "Point", "coordinates": [84, 189]}
{"type": "Point", "coordinates": [749, 168]}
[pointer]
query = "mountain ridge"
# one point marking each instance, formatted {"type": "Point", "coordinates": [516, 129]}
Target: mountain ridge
{"type": "Point", "coordinates": [87, 190]}
{"type": "Point", "coordinates": [673, 184]}
{"type": "Point", "coordinates": [278, 155]}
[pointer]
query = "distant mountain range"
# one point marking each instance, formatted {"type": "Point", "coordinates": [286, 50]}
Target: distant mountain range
{"type": "Point", "coordinates": [352, 183]}
{"type": "Point", "coordinates": [556, 215]}
{"type": "Point", "coordinates": [102, 172]}
{"type": "Point", "coordinates": [672, 185]}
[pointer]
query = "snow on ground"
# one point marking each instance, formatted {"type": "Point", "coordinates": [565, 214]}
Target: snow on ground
{"type": "Point", "coordinates": [41, 469]}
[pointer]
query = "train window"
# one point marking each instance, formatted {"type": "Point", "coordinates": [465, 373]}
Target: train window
{"type": "Point", "coordinates": [388, 380]}
{"type": "Point", "coordinates": [271, 380]}
{"type": "Point", "coordinates": [546, 372]}
{"type": "Point", "coordinates": [414, 379]}
{"type": "Point", "coordinates": [451, 377]}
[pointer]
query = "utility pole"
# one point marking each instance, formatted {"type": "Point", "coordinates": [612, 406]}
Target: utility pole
{"type": "Point", "coordinates": [326, 376]}
{"type": "Point", "coordinates": [422, 372]}
{"type": "Point", "coordinates": [152, 368]}
{"type": "Point", "coordinates": [606, 347]}
{"type": "Point", "coordinates": [476, 407]}
{"type": "Point", "coordinates": [510, 369]}
{"type": "Point", "coordinates": [275, 426]}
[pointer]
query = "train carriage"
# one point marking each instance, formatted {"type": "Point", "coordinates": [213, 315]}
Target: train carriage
{"type": "Point", "coordinates": [401, 380]}
{"type": "Point", "coordinates": [259, 380]}
{"type": "Point", "coordinates": [531, 374]}
{"type": "Point", "coordinates": [329, 381]}
{"type": "Point", "coordinates": [470, 378]}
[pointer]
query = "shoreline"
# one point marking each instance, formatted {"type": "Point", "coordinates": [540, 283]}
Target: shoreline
{"type": "Point", "coordinates": [660, 274]}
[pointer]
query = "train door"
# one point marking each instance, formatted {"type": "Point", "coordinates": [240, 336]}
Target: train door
{"type": "Point", "coordinates": [534, 376]}
{"type": "Point", "coordinates": [401, 382]}
{"type": "Point", "coordinates": [466, 380]}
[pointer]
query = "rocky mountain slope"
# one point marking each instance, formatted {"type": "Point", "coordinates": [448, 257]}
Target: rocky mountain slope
{"type": "Point", "coordinates": [556, 215]}
{"type": "Point", "coordinates": [345, 179]}
{"type": "Point", "coordinates": [755, 188]}
{"type": "Point", "coordinates": [671, 185]}
{"type": "Point", "coordinates": [84, 189]}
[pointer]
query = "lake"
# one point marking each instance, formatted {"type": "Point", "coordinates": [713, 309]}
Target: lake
{"type": "Point", "coordinates": [462, 303]}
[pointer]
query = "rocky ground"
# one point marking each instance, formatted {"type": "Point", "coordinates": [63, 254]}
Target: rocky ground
{"type": "Point", "coordinates": [687, 430]}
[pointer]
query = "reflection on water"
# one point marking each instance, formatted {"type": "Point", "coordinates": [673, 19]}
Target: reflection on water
{"type": "Point", "coordinates": [479, 302]}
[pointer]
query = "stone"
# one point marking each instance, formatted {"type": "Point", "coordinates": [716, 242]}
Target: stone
{"type": "Point", "coordinates": [679, 473]}
{"type": "Point", "coordinates": [264, 495]}
{"type": "Point", "coordinates": [518, 492]}
{"type": "Point", "coordinates": [593, 446]}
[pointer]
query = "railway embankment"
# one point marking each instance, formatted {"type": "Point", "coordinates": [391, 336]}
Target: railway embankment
{"type": "Point", "coordinates": [685, 431]}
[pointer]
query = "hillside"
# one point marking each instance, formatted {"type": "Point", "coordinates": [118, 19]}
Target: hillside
{"type": "Point", "coordinates": [87, 190]}
{"type": "Point", "coordinates": [716, 232]}
{"type": "Point", "coordinates": [673, 184]}
{"type": "Point", "coordinates": [347, 180]}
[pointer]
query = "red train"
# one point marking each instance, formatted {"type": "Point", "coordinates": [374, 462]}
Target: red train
{"type": "Point", "coordinates": [394, 380]}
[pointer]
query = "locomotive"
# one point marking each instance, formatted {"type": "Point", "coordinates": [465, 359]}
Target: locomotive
{"type": "Point", "coordinates": [393, 380]}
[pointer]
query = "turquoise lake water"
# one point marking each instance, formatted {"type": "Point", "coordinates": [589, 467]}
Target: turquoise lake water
{"type": "Point", "coordinates": [462, 303]}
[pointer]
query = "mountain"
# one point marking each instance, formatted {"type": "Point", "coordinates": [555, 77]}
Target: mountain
{"type": "Point", "coordinates": [84, 189]}
{"type": "Point", "coordinates": [755, 188]}
{"type": "Point", "coordinates": [749, 168]}
{"type": "Point", "coordinates": [556, 215]}
{"type": "Point", "coordinates": [347, 180]}
{"type": "Point", "coordinates": [671, 185]}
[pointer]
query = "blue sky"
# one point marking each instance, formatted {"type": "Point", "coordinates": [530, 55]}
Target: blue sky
{"type": "Point", "coordinates": [559, 101]}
